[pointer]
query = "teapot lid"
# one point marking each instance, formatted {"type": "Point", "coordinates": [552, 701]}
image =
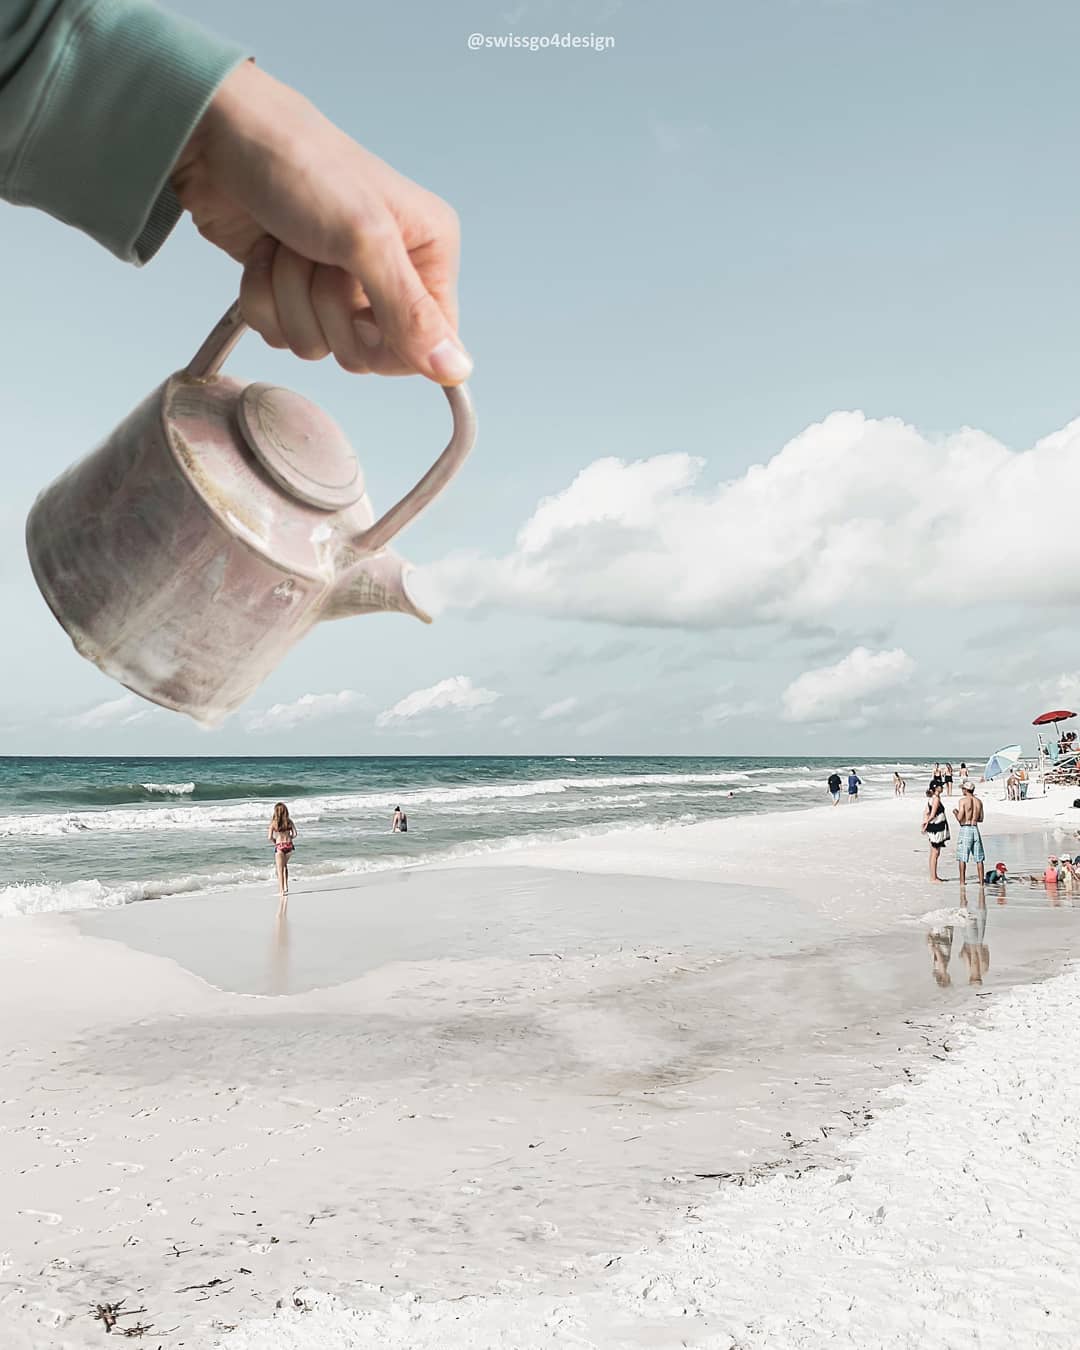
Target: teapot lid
{"type": "Point", "coordinates": [302, 448]}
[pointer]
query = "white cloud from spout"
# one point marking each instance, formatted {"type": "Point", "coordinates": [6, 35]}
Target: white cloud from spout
{"type": "Point", "coordinates": [852, 511]}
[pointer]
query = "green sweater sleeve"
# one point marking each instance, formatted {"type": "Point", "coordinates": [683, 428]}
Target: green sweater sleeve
{"type": "Point", "coordinates": [97, 99]}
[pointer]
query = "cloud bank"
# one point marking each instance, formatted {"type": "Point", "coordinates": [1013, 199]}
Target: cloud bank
{"type": "Point", "coordinates": [853, 511]}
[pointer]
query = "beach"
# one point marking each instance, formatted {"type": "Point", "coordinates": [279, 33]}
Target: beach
{"type": "Point", "coordinates": [675, 1084]}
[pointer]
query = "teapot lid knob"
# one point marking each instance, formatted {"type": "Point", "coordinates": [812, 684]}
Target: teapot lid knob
{"type": "Point", "coordinates": [302, 448]}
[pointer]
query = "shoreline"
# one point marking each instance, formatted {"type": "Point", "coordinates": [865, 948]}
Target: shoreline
{"type": "Point", "coordinates": [69, 839]}
{"type": "Point", "coordinates": [484, 1121]}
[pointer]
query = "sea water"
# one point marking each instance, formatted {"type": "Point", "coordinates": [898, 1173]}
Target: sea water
{"type": "Point", "coordinates": [88, 833]}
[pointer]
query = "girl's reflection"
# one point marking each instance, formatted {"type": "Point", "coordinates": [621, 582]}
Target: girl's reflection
{"type": "Point", "coordinates": [279, 955]}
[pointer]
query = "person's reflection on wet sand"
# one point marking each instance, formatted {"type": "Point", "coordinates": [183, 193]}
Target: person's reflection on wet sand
{"type": "Point", "coordinates": [975, 951]}
{"type": "Point", "coordinates": [939, 940]}
{"type": "Point", "coordinates": [279, 955]}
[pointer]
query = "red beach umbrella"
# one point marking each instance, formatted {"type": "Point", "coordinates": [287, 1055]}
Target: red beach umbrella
{"type": "Point", "coordinates": [1060, 716]}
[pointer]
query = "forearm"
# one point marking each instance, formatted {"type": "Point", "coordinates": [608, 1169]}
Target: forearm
{"type": "Point", "coordinates": [97, 99]}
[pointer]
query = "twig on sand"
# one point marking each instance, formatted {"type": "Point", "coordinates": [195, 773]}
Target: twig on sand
{"type": "Point", "coordinates": [556, 955]}
{"type": "Point", "coordinates": [109, 1314]}
{"type": "Point", "coordinates": [758, 1172]}
{"type": "Point", "coordinates": [210, 1284]}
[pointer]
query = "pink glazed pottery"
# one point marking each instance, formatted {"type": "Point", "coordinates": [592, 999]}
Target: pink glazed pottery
{"type": "Point", "coordinates": [214, 527]}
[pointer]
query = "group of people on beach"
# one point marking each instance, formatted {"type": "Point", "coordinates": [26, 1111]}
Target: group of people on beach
{"type": "Point", "coordinates": [836, 783]}
{"type": "Point", "coordinates": [941, 778]}
{"type": "Point", "coordinates": [1016, 785]}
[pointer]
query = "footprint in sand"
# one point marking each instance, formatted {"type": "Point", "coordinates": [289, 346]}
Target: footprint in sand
{"type": "Point", "coordinates": [105, 1190]}
{"type": "Point", "coordinates": [48, 1317]}
{"type": "Point", "coordinates": [531, 1229]}
{"type": "Point", "coordinates": [128, 1166]}
{"type": "Point", "coordinates": [45, 1215]}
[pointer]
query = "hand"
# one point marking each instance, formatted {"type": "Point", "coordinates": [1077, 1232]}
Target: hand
{"type": "Point", "coordinates": [341, 254]}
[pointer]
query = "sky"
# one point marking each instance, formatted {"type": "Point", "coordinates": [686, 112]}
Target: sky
{"type": "Point", "coordinates": [773, 308]}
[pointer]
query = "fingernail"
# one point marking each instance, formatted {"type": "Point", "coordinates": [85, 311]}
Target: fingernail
{"type": "Point", "coordinates": [367, 332]}
{"type": "Point", "coordinates": [449, 362]}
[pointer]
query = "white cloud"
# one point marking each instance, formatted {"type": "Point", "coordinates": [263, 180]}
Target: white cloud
{"type": "Point", "coordinates": [852, 511]}
{"type": "Point", "coordinates": [832, 692]}
{"type": "Point", "coordinates": [306, 708]}
{"type": "Point", "coordinates": [114, 712]}
{"type": "Point", "coordinates": [458, 692]}
{"type": "Point", "coordinates": [600, 722]}
{"type": "Point", "coordinates": [560, 709]}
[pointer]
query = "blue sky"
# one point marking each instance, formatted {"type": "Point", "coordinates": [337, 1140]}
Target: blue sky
{"type": "Point", "coordinates": [684, 250]}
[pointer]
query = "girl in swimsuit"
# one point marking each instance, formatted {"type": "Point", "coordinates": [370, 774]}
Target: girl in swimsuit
{"type": "Point", "coordinates": [281, 834]}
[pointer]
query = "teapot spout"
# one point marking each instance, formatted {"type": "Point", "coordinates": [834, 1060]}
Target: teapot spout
{"type": "Point", "coordinates": [373, 585]}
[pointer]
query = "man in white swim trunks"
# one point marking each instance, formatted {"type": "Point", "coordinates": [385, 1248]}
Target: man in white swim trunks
{"type": "Point", "coordinates": [969, 816]}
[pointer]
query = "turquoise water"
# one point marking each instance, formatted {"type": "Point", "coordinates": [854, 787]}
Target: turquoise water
{"type": "Point", "coordinates": [79, 833]}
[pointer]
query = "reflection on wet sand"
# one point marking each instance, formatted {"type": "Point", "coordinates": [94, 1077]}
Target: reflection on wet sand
{"type": "Point", "coordinates": [279, 955]}
{"type": "Point", "coordinates": [940, 941]}
{"type": "Point", "coordinates": [974, 949]}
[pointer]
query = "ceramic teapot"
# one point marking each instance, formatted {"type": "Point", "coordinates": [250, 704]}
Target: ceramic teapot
{"type": "Point", "coordinates": [215, 526]}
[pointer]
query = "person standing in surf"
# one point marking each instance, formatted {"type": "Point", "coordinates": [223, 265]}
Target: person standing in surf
{"type": "Point", "coordinates": [281, 833]}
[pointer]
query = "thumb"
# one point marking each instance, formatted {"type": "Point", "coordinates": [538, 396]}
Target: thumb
{"type": "Point", "coordinates": [408, 316]}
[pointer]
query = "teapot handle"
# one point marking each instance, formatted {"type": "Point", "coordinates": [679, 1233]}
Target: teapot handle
{"type": "Point", "coordinates": [212, 355]}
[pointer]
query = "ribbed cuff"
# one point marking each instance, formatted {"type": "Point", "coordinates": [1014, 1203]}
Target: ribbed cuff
{"type": "Point", "coordinates": [127, 89]}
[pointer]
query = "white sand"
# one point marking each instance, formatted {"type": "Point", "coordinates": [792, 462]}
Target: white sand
{"type": "Point", "coordinates": [488, 1148]}
{"type": "Point", "coordinates": [951, 1221]}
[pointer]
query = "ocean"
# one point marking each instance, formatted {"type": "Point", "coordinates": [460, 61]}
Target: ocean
{"type": "Point", "coordinates": [90, 833]}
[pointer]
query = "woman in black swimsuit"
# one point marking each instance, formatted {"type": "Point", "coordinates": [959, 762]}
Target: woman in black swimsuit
{"type": "Point", "coordinates": [948, 780]}
{"type": "Point", "coordinates": [935, 826]}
